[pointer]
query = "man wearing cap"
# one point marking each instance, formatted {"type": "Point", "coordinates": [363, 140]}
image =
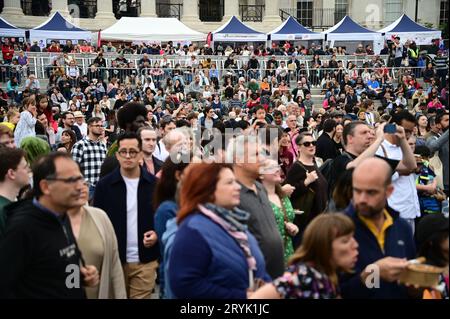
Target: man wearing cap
{"type": "Point", "coordinates": [80, 123]}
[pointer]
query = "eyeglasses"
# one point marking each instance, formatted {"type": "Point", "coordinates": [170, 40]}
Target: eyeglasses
{"type": "Point", "coordinates": [308, 144]}
{"type": "Point", "coordinates": [131, 153]}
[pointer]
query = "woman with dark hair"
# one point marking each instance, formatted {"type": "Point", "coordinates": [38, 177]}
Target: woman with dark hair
{"type": "Point", "coordinates": [68, 139]}
{"type": "Point", "coordinates": [111, 127]}
{"type": "Point", "coordinates": [422, 129]}
{"type": "Point", "coordinates": [342, 194]}
{"type": "Point", "coordinates": [328, 247]}
{"type": "Point", "coordinates": [433, 244]}
{"type": "Point", "coordinates": [310, 194]}
{"type": "Point", "coordinates": [165, 205]}
{"type": "Point", "coordinates": [213, 254]}
{"type": "Point", "coordinates": [44, 105]}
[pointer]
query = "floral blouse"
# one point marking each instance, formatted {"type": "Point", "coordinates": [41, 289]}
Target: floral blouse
{"type": "Point", "coordinates": [280, 218]}
{"type": "Point", "coordinates": [301, 281]}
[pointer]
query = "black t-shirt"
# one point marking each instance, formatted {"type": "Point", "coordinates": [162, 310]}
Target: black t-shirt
{"type": "Point", "coordinates": [340, 166]}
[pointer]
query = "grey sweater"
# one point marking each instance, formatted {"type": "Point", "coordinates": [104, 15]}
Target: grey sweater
{"type": "Point", "coordinates": [440, 144]}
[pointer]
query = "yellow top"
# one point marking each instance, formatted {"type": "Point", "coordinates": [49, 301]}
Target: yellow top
{"type": "Point", "coordinates": [379, 235]}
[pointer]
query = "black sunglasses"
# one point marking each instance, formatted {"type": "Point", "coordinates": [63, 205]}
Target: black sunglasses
{"type": "Point", "coordinates": [308, 144]}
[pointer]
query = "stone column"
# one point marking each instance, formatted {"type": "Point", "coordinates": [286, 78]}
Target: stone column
{"type": "Point", "coordinates": [190, 12]}
{"type": "Point", "coordinates": [61, 7]}
{"type": "Point", "coordinates": [272, 14]}
{"type": "Point", "coordinates": [12, 8]}
{"type": "Point", "coordinates": [148, 8]}
{"type": "Point", "coordinates": [105, 10]}
{"type": "Point", "coordinates": [231, 9]}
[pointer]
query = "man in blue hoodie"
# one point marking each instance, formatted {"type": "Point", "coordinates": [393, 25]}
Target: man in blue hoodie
{"type": "Point", "coordinates": [385, 240]}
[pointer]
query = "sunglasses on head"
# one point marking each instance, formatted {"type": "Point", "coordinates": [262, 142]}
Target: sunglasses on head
{"type": "Point", "coordinates": [308, 144]}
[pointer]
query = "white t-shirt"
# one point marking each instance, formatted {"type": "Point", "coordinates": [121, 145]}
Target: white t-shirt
{"type": "Point", "coordinates": [132, 220]}
{"type": "Point", "coordinates": [404, 199]}
{"type": "Point", "coordinates": [83, 128]}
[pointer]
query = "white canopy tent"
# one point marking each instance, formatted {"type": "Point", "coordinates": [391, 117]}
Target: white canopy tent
{"type": "Point", "coordinates": [8, 30]}
{"type": "Point", "coordinates": [151, 29]}
{"type": "Point", "coordinates": [58, 28]}
{"type": "Point", "coordinates": [407, 29]}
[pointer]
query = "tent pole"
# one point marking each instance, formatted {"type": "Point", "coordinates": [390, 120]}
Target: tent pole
{"type": "Point", "coordinates": [417, 10]}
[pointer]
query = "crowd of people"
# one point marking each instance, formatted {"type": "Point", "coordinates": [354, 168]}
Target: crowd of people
{"type": "Point", "coordinates": [229, 185]}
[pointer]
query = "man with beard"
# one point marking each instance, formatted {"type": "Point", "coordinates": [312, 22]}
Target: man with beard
{"type": "Point", "coordinates": [385, 240]}
{"type": "Point", "coordinates": [149, 139]}
{"type": "Point", "coordinates": [90, 152]}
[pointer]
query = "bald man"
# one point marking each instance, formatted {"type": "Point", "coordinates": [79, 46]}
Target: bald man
{"type": "Point", "coordinates": [385, 240]}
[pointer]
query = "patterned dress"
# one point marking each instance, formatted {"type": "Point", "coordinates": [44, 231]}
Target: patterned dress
{"type": "Point", "coordinates": [281, 218]}
{"type": "Point", "coordinates": [301, 281]}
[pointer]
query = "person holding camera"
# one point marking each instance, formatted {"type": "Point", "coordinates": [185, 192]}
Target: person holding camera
{"type": "Point", "coordinates": [395, 147]}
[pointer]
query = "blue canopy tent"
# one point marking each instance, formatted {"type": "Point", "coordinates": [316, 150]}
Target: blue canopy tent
{"type": "Point", "coordinates": [407, 29]}
{"type": "Point", "coordinates": [235, 31]}
{"type": "Point", "coordinates": [58, 28]}
{"type": "Point", "coordinates": [349, 31]}
{"type": "Point", "coordinates": [10, 31]}
{"type": "Point", "coordinates": [291, 30]}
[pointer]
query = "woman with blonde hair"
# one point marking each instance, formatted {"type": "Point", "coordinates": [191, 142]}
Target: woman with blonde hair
{"type": "Point", "coordinates": [328, 247]}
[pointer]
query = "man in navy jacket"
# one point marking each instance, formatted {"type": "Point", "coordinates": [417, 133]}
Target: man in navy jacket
{"type": "Point", "coordinates": [126, 196]}
{"type": "Point", "coordinates": [385, 240]}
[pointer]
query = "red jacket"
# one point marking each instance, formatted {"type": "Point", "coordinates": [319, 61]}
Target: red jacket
{"type": "Point", "coordinates": [8, 52]}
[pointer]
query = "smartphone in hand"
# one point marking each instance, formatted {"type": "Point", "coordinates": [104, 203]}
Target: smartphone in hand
{"type": "Point", "coordinates": [390, 129]}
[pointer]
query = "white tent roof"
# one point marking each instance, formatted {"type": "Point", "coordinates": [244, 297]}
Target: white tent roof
{"type": "Point", "coordinates": [151, 29]}
{"type": "Point", "coordinates": [407, 29]}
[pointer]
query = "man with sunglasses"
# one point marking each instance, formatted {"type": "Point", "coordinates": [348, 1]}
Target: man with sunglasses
{"type": "Point", "coordinates": [39, 256]}
{"type": "Point", "coordinates": [126, 196]}
{"type": "Point", "coordinates": [90, 152]}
